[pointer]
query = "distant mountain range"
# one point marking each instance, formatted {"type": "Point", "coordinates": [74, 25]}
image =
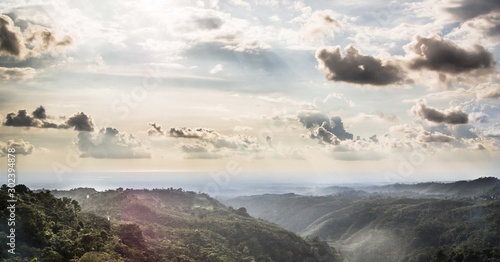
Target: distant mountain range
{"type": "Point", "coordinates": [456, 221]}
{"type": "Point", "coordinates": [459, 189]}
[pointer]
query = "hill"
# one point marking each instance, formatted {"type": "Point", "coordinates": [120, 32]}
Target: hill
{"type": "Point", "coordinates": [146, 225]}
{"type": "Point", "coordinates": [458, 189]}
{"type": "Point", "coordinates": [385, 227]}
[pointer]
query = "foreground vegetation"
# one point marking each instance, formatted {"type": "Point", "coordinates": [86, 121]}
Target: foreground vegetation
{"type": "Point", "coordinates": [145, 225]}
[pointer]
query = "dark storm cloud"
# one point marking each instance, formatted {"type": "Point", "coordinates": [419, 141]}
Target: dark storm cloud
{"type": "Point", "coordinates": [40, 113]}
{"type": "Point", "coordinates": [468, 9]}
{"type": "Point", "coordinates": [20, 119]}
{"type": "Point", "coordinates": [445, 56]}
{"type": "Point", "coordinates": [81, 122]}
{"type": "Point", "coordinates": [434, 115]}
{"type": "Point", "coordinates": [359, 69]}
{"type": "Point", "coordinates": [40, 119]}
{"type": "Point", "coordinates": [11, 40]}
{"type": "Point", "coordinates": [324, 128]}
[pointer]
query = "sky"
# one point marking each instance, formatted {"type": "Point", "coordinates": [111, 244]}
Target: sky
{"type": "Point", "coordinates": [319, 91]}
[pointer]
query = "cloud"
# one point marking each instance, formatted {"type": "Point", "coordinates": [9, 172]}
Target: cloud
{"type": "Point", "coordinates": [493, 131]}
{"type": "Point", "coordinates": [199, 26]}
{"type": "Point", "coordinates": [325, 129]}
{"type": "Point", "coordinates": [10, 73]}
{"type": "Point", "coordinates": [106, 143]}
{"type": "Point", "coordinates": [198, 133]}
{"type": "Point", "coordinates": [35, 40]}
{"type": "Point", "coordinates": [81, 122]}
{"type": "Point", "coordinates": [468, 9]}
{"type": "Point", "coordinates": [390, 118]}
{"type": "Point", "coordinates": [110, 143]}
{"type": "Point", "coordinates": [487, 91]}
{"type": "Point", "coordinates": [442, 55]}
{"type": "Point", "coordinates": [11, 39]}
{"type": "Point", "coordinates": [155, 130]}
{"type": "Point", "coordinates": [199, 20]}
{"type": "Point", "coordinates": [311, 119]}
{"type": "Point", "coordinates": [39, 119]}
{"type": "Point", "coordinates": [359, 69]}
{"type": "Point", "coordinates": [318, 26]}
{"type": "Point", "coordinates": [239, 142]}
{"type": "Point", "coordinates": [208, 143]}
{"type": "Point", "coordinates": [21, 119]}
{"type": "Point", "coordinates": [429, 137]}
{"type": "Point", "coordinates": [208, 23]}
{"type": "Point", "coordinates": [39, 113]}
{"type": "Point", "coordinates": [479, 117]}
{"type": "Point", "coordinates": [21, 147]}
{"type": "Point", "coordinates": [333, 102]}
{"type": "Point", "coordinates": [449, 116]}
{"type": "Point", "coordinates": [43, 40]}
{"type": "Point", "coordinates": [216, 69]}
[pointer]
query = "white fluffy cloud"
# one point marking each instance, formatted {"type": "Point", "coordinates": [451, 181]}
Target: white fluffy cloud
{"type": "Point", "coordinates": [21, 147]}
{"type": "Point", "coordinates": [208, 143]}
{"type": "Point", "coordinates": [110, 143]}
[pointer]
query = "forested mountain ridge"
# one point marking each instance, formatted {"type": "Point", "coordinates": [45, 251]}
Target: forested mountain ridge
{"type": "Point", "coordinates": [147, 225]}
{"type": "Point", "coordinates": [484, 186]}
{"type": "Point", "coordinates": [389, 227]}
{"type": "Point", "coordinates": [460, 189]}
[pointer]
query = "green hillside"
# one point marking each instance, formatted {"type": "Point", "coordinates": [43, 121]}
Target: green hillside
{"type": "Point", "coordinates": [146, 225]}
{"type": "Point", "coordinates": [380, 227]}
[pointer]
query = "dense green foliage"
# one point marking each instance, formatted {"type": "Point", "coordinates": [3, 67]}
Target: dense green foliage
{"type": "Point", "coordinates": [146, 225]}
{"type": "Point", "coordinates": [51, 229]}
{"type": "Point", "coordinates": [380, 226]}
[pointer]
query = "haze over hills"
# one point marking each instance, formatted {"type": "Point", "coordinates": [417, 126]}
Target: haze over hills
{"type": "Point", "coordinates": [456, 221]}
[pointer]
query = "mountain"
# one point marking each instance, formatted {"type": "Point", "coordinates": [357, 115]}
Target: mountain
{"type": "Point", "coordinates": [385, 226]}
{"type": "Point", "coordinates": [145, 225]}
{"type": "Point", "coordinates": [458, 189]}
